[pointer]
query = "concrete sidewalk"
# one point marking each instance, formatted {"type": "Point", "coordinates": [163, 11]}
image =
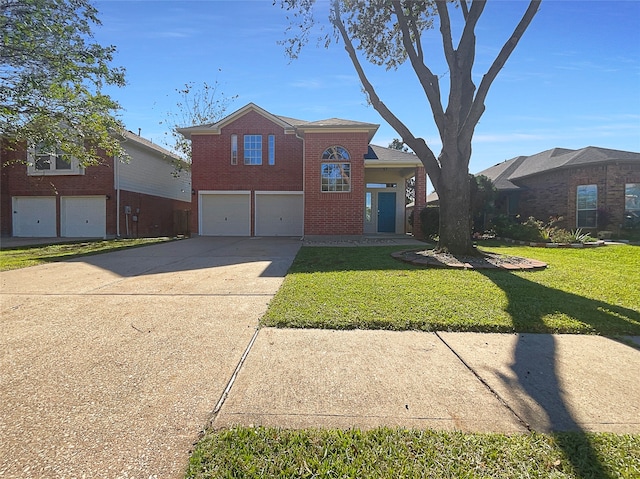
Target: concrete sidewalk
{"type": "Point", "coordinates": [472, 382]}
{"type": "Point", "coordinates": [111, 365]}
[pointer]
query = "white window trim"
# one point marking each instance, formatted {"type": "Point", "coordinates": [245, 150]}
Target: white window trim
{"type": "Point", "coordinates": [76, 168]}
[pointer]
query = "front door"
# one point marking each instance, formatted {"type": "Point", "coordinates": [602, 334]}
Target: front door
{"type": "Point", "coordinates": [386, 212]}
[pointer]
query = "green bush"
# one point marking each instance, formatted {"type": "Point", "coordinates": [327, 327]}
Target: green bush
{"type": "Point", "coordinates": [536, 231]}
{"type": "Point", "coordinates": [430, 221]}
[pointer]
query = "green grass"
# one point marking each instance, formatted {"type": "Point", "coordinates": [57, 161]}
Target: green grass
{"type": "Point", "coordinates": [586, 291]}
{"type": "Point", "coordinates": [384, 453]}
{"type": "Point", "coordinates": [15, 258]}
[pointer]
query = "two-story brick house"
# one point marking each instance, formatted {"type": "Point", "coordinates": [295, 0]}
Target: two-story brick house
{"type": "Point", "coordinates": [259, 174]}
{"type": "Point", "coordinates": [44, 196]}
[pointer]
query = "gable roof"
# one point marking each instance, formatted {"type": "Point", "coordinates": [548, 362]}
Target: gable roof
{"type": "Point", "coordinates": [214, 128]}
{"type": "Point", "coordinates": [290, 125]}
{"type": "Point", "coordinates": [505, 175]}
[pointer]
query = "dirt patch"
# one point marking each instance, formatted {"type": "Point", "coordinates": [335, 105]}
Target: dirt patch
{"type": "Point", "coordinates": [487, 260]}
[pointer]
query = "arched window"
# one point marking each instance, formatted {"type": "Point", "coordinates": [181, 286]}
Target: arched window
{"type": "Point", "coordinates": [336, 153]}
{"type": "Point", "coordinates": [335, 176]}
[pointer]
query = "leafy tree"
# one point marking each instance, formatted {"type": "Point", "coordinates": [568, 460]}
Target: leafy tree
{"type": "Point", "coordinates": [388, 33]}
{"type": "Point", "coordinates": [51, 78]}
{"type": "Point", "coordinates": [197, 105]}
{"type": "Point", "coordinates": [483, 195]}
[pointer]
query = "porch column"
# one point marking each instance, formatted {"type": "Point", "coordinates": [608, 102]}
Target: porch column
{"type": "Point", "coordinates": [420, 200]}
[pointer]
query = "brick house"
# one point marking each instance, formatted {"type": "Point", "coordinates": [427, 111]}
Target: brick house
{"type": "Point", "coordinates": [591, 188]}
{"type": "Point", "coordinates": [258, 174]}
{"type": "Point", "coordinates": [43, 196]}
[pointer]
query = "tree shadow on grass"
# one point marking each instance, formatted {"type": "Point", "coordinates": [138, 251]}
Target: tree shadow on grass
{"type": "Point", "coordinates": [535, 363]}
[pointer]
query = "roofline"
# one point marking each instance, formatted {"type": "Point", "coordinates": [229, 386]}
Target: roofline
{"type": "Point", "coordinates": [214, 128]}
{"type": "Point", "coordinates": [571, 166]}
{"type": "Point", "coordinates": [148, 145]}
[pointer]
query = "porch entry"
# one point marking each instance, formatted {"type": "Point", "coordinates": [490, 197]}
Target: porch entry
{"type": "Point", "coordinates": [386, 212]}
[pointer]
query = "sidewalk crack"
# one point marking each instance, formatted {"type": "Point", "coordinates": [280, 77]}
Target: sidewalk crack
{"type": "Point", "coordinates": [486, 385]}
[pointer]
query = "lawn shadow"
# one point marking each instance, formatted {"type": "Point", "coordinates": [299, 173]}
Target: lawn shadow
{"type": "Point", "coordinates": [535, 363]}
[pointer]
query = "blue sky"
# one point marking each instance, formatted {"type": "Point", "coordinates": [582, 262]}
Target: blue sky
{"type": "Point", "coordinates": [573, 81]}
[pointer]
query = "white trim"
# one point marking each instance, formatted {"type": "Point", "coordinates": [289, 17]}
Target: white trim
{"type": "Point", "coordinates": [276, 193]}
{"type": "Point", "coordinates": [202, 193]}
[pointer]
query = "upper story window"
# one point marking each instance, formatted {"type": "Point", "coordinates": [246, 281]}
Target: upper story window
{"type": "Point", "coordinates": [335, 176]}
{"type": "Point", "coordinates": [272, 149]}
{"type": "Point", "coordinates": [252, 149]}
{"type": "Point", "coordinates": [587, 206]}
{"type": "Point", "coordinates": [234, 149]}
{"type": "Point", "coordinates": [43, 161]}
{"type": "Point", "coordinates": [336, 153]}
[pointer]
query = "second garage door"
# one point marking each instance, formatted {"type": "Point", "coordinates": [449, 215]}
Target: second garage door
{"type": "Point", "coordinates": [83, 217]}
{"type": "Point", "coordinates": [225, 214]}
{"type": "Point", "coordinates": [279, 214]}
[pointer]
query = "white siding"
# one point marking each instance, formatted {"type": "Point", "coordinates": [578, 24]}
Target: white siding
{"type": "Point", "coordinates": [150, 173]}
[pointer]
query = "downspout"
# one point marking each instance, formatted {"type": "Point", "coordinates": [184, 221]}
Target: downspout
{"type": "Point", "coordinates": [304, 167]}
{"type": "Point", "coordinates": [116, 172]}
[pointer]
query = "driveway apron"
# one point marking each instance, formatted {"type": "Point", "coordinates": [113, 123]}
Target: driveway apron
{"type": "Point", "coordinates": [111, 365]}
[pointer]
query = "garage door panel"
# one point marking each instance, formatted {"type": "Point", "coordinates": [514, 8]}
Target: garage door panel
{"type": "Point", "coordinates": [279, 214]}
{"type": "Point", "coordinates": [34, 216]}
{"type": "Point", "coordinates": [225, 214]}
{"type": "Point", "coordinates": [83, 216]}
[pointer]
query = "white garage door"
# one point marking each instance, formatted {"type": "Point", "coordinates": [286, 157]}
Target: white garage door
{"type": "Point", "coordinates": [83, 216]}
{"type": "Point", "coordinates": [225, 214]}
{"type": "Point", "coordinates": [34, 216]}
{"type": "Point", "coordinates": [279, 214]}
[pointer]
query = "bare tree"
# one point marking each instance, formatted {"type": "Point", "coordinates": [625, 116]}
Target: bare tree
{"type": "Point", "coordinates": [388, 33]}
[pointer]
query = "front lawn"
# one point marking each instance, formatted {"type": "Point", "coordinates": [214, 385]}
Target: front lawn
{"type": "Point", "coordinates": [15, 258]}
{"type": "Point", "coordinates": [592, 291]}
{"type": "Point", "coordinates": [383, 453]}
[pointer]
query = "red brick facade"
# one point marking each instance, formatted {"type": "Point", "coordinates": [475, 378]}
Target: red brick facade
{"type": "Point", "coordinates": [299, 148]}
{"type": "Point", "coordinates": [555, 193]}
{"type": "Point", "coordinates": [212, 168]}
{"type": "Point", "coordinates": [156, 215]}
{"type": "Point", "coordinates": [334, 213]}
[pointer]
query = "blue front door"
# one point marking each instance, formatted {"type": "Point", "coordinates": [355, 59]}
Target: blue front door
{"type": "Point", "coordinates": [386, 212]}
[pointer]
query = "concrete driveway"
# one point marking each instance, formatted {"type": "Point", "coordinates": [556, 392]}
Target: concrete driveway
{"type": "Point", "coordinates": [110, 365]}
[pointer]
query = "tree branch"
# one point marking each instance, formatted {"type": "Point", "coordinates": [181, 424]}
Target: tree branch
{"type": "Point", "coordinates": [418, 145]}
{"type": "Point", "coordinates": [429, 81]}
{"type": "Point", "coordinates": [478, 104]}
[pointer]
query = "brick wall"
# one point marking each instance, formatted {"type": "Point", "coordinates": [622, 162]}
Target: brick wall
{"type": "Point", "coordinates": [212, 169]}
{"type": "Point", "coordinates": [96, 180]}
{"type": "Point", "coordinates": [555, 193]}
{"type": "Point", "coordinates": [333, 213]}
{"type": "Point", "coordinates": [156, 216]}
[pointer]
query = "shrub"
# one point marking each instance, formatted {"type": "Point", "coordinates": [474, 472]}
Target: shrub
{"type": "Point", "coordinates": [430, 221]}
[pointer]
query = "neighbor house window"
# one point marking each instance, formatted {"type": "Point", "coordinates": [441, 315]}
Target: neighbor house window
{"type": "Point", "coordinates": [252, 149]}
{"type": "Point", "coordinates": [631, 205]}
{"type": "Point", "coordinates": [335, 176]}
{"type": "Point", "coordinates": [234, 149]}
{"type": "Point", "coordinates": [587, 199]}
{"type": "Point", "coordinates": [44, 161]}
{"type": "Point", "coordinates": [272, 149]}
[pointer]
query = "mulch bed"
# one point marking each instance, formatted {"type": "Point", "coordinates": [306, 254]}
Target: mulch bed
{"type": "Point", "coordinates": [487, 260]}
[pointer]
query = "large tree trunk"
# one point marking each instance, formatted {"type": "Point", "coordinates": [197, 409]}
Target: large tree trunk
{"type": "Point", "coordinates": [454, 197]}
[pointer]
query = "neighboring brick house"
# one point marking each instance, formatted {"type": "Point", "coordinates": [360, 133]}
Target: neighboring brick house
{"type": "Point", "coordinates": [591, 188]}
{"type": "Point", "coordinates": [43, 196]}
{"type": "Point", "coordinates": [258, 174]}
